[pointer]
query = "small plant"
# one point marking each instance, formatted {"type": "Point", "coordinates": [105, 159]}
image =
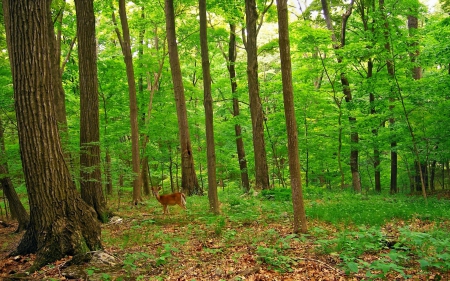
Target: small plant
{"type": "Point", "coordinates": [275, 256]}
{"type": "Point", "coordinates": [351, 245]}
{"type": "Point", "coordinates": [91, 270]}
{"type": "Point", "coordinates": [165, 254]}
{"type": "Point", "coordinates": [106, 276]}
{"type": "Point", "coordinates": [432, 249]}
{"type": "Point", "coordinates": [275, 259]}
{"type": "Point", "coordinates": [135, 260]}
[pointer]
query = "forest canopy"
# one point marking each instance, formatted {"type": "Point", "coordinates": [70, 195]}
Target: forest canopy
{"type": "Point", "coordinates": [418, 106]}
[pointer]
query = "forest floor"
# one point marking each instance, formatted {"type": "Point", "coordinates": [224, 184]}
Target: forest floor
{"type": "Point", "coordinates": [146, 245]}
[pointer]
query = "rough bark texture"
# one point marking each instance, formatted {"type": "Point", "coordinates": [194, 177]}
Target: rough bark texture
{"type": "Point", "coordinates": [291, 123]}
{"type": "Point", "coordinates": [237, 127]}
{"type": "Point", "coordinates": [17, 209]}
{"type": "Point", "coordinates": [126, 50]}
{"type": "Point", "coordinates": [189, 180]}
{"type": "Point", "coordinates": [209, 116]}
{"type": "Point", "coordinates": [413, 25]}
{"type": "Point", "coordinates": [261, 168]}
{"type": "Point", "coordinates": [90, 174]}
{"type": "Point", "coordinates": [61, 223]}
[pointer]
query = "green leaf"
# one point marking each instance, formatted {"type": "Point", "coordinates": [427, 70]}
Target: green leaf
{"type": "Point", "coordinates": [353, 266]}
{"type": "Point", "coordinates": [424, 263]}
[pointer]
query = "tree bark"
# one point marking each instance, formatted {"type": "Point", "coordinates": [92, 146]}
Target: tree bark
{"type": "Point", "coordinates": [16, 207]}
{"type": "Point", "coordinates": [90, 174]}
{"type": "Point", "coordinates": [237, 127]}
{"type": "Point", "coordinates": [391, 73]}
{"type": "Point", "coordinates": [189, 180]}
{"type": "Point", "coordinates": [256, 111]}
{"type": "Point", "coordinates": [61, 223]}
{"type": "Point", "coordinates": [291, 123]}
{"type": "Point", "coordinates": [128, 59]}
{"type": "Point", "coordinates": [376, 151]}
{"type": "Point", "coordinates": [413, 25]}
{"type": "Point", "coordinates": [209, 116]}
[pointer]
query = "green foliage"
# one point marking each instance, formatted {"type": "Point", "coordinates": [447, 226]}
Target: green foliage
{"type": "Point", "coordinates": [274, 256]}
{"type": "Point", "coordinates": [165, 254]}
{"type": "Point", "coordinates": [134, 261]}
{"type": "Point", "coordinates": [278, 194]}
{"type": "Point", "coordinates": [350, 208]}
{"type": "Point", "coordinates": [432, 249]}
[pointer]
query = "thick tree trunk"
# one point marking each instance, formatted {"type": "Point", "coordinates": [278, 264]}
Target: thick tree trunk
{"type": "Point", "coordinates": [291, 123]}
{"type": "Point", "coordinates": [209, 116]}
{"type": "Point", "coordinates": [261, 168]}
{"type": "Point", "coordinates": [61, 223]}
{"type": "Point", "coordinates": [237, 127]}
{"type": "Point", "coordinates": [189, 180]}
{"type": "Point", "coordinates": [90, 174]}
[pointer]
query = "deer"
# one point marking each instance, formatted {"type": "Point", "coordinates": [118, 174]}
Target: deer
{"type": "Point", "coordinates": [176, 198]}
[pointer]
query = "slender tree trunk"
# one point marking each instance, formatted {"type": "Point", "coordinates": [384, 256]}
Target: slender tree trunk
{"type": "Point", "coordinates": [145, 179]}
{"type": "Point", "coordinates": [60, 98]}
{"type": "Point", "coordinates": [15, 205]}
{"type": "Point", "coordinates": [376, 151]}
{"type": "Point", "coordinates": [237, 127]}
{"type": "Point", "coordinates": [291, 123]}
{"type": "Point", "coordinates": [153, 86]}
{"type": "Point", "coordinates": [56, 208]}
{"type": "Point", "coordinates": [391, 72]}
{"type": "Point", "coordinates": [354, 137]}
{"type": "Point", "coordinates": [209, 116]}
{"type": "Point", "coordinates": [413, 25]}
{"type": "Point", "coordinates": [432, 175]}
{"type": "Point", "coordinates": [90, 174]}
{"type": "Point", "coordinates": [126, 51]}
{"type": "Point", "coordinates": [339, 150]}
{"type": "Point", "coordinates": [261, 168]}
{"type": "Point", "coordinates": [108, 166]}
{"type": "Point", "coordinates": [189, 180]}
{"type": "Point", "coordinates": [109, 188]}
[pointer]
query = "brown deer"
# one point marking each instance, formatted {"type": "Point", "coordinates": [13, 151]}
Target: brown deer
{"type": "Point", "coordinates": [176, 198]}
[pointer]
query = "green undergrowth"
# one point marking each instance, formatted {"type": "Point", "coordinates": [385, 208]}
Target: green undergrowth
{"type": "Point", "coordinates": [371, 235]}
{"type": "Point", "coordinates": [374, 234]}
{"type": "Point", "coordinates": [347, 208]}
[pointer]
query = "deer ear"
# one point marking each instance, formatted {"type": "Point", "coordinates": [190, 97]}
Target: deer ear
{"type": "Point", "coordinates": [159, 188]}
